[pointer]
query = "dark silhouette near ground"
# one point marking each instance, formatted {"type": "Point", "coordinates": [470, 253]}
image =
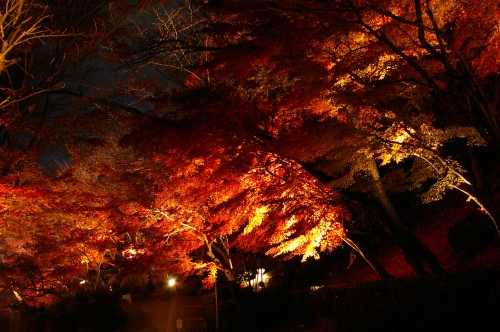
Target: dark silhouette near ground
{"type": "Point", "coordinates": [460, 301]}
{"type": "Point", "coordinates": [230, 315]}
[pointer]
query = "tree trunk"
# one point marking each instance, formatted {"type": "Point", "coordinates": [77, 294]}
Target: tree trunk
{"type": "Point", "coordinates": [224, 264]}
{"type": "Point", "coordinates": [369, 258]}
{"type": "Point", "coordinates": [417, 254]}
{"type": "Point", "coordinates": [483, 192]}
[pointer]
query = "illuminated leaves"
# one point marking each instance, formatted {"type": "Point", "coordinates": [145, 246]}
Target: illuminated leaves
{"type": "Point", "coordinates": [256, 220]}
{"type": "Point", "coordinates": [386, 78]}
{"type": "Point", "coordinates": [215, 188]}
{"type": "Point", "coordinates": [48, 244]}
{"type": "Point", "coordinates": [483, 46]}
{"type": "Point", "coordinates": [299, 216]}
{"type": "Point", "coordinates": [267, 90]}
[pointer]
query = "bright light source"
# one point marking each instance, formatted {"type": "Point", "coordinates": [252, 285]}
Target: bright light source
{"type": "Point", "coordinates": [171, 282]}
{"type": "Point", "coordinates": [82, 282]}
{"type": "Point", "coordinates": [18, 296]}
{"type": "Point", "coordinates": [316, 288]}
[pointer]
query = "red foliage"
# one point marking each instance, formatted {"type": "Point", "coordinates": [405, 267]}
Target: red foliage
{"type": "Point", "coordinates": [286, 85]}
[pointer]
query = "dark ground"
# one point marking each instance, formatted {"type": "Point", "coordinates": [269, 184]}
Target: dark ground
{"type": "Point", "coordinates": [465, 301]}
{"type": "Point", "coordinates": [462, 301]}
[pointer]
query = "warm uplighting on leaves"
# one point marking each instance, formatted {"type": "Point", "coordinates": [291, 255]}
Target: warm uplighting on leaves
{"type": "Point", "coordinates": [132, 252]}
{"type": "Point", "coordinates": [256, 220]}
{"type": "Point", "coordinates": [379, 70]}
{"type": "Point", "coordinates": [399, 137]}
{"type": "Point", "coordinates": [248, 153]}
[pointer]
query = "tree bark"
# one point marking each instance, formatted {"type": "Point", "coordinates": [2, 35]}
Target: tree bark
{"type": "Point", "coordinates": [483, 192]}
{"type": "Point", "coordinates": [369, 258]}
{"type": "Point", "coordinates": [224, 265]}
{"type": "Point", "coordinates": [416, 253]}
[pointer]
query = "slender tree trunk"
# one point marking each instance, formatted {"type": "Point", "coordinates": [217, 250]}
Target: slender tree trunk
{"type": "Point", "coordinates": [224, 264]}
{"type": "Point", "coordinates": [417, 254]}
{"type": "Point", "coordinates": [483, 192]}
{"type": "Point", "coordinates": [369, 258]}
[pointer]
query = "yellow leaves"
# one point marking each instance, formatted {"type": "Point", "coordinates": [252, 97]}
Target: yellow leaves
{"type": "Point", "coordinates": [257, 219]}
{"type": "Point", "coordinates": [198, 265]}
{"type": "Point", "coordinates": [329, 65]}
{"type": "Point", "coordinates": [315, 236]}
{"type": "Point", "coordinates": [194, 167]}
{"type": "Point", "coordinates": [400, 136]}
{"type": "Point", "coordinates": [356, 37]}
{"type": "Point", "coordinates": [285, 231]}
{"type": "Point", "coordinates": [324, 236]}
{"type": "Point", "coordinates": [287, 246]}
{"type": "Point", "coordinates": [378, 70]}
{"type": "Point", "coordinates": [325, 105]}
{"type": "Point", "coordinates": [446, 12]}
{"type": "Point", "coordinates": [346, 80]}
{"type": "Point", "coordinates": [89, 255]}
{"type": "Point", "coordinates": [287, 194]}
{"type": "Point", "coordinates": [209, 269]}
{"type": "Point", "coordinates": [435, 137]}
{"type": "Point", "coordinates": [20, 206]}
{"type": "Point", "coordinates": [211, 276]}
{"type": "Point", "coordinates": [290, 222]}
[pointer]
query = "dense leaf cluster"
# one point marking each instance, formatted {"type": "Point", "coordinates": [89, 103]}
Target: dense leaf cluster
{"type": "Point", "coordinates": [159, 137]}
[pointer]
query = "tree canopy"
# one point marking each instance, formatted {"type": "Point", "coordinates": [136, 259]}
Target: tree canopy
{"type": "Point", "coordinates": [171, 136]}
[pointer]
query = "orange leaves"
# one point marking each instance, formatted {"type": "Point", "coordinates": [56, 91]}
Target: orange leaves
{"type": "Point", "coordinates": [257, 219]}
{"type": "Point", "coordinates": [211, 277]}
{"type": "Point", "coordinates": [323, 106]}
{"type": "Point", "coordinates": [233, 188]}
{"type": "Point", "coordinates": [488, 61]}
{"type": "Point", "coordinates": [295, 216]}
{"type": "Point", "coordinates": [320, 88]}
{"type": "Point", "coordinates": [397, 151]}
{"type": "Point", "coordinates": [131, 208]}
{"type": "Point", "coordinates": [62, 225]}
{"type": "Point", "coordinates": [369, 118]}
{"type": "Point", "coordinates": [325, 236]}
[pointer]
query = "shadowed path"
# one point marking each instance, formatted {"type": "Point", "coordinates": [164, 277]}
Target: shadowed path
{"type": "Point", "coordinates": [196, 312]}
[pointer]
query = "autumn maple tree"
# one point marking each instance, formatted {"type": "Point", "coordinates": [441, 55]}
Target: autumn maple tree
{"type": "Point", "coordinates": [352, 68]}
{"type": "Point", "coordinates": [54, 233]}
{"type": "Point", "coordinates": [232, 127]}
{"type": "Point", "coordinates": [174, 209]}
{"type": "Point", "coordinates": [384, 70]}
{"type": "Point", "coordinates": [217, 189]}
